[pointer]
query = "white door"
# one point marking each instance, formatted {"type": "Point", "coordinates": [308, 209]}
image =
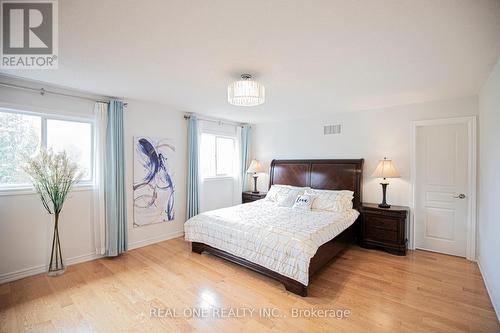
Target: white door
{"type": "Point", "coordinates": [441, 184]}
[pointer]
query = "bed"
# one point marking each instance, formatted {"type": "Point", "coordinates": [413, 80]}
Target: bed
{"type": "Point", "coordinates": [280, 242]}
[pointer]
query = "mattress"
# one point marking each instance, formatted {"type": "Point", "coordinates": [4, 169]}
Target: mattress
{"type": "Point", "coordinates": [281, 239]}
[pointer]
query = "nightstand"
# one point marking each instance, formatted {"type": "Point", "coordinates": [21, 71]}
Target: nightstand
{"type": "Point", "coordinates": [249, 196]}
{"type": "Point", "coordinates": [384, 228]}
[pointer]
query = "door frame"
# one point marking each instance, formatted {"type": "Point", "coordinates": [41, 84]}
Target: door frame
{"type": "Point", "coordinates": [471, 123]}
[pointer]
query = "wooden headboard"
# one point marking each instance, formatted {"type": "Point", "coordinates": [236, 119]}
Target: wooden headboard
{"type": "Point", "coordinates": [320, 174]}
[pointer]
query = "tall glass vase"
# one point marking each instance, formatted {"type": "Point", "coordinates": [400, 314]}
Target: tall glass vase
{"type": "Point", "coordinates": [56, 266]}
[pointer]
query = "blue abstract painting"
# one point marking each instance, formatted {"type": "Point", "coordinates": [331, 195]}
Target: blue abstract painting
{"type": "Point", "coordinates": [154, 187]}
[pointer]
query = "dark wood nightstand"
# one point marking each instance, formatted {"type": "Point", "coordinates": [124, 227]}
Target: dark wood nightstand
{"type": "Point", "coordinates": [249, 196]}
{"type": "Point", "coordinates": [384, 228]}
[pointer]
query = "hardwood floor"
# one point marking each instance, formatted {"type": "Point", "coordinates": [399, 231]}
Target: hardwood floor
{"type": "Point", "coordinates": [422, 292]}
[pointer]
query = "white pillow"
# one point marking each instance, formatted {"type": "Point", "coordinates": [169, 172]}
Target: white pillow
{"type": "Point", "coordinates": [334, 201]}
{"type": "Point", "coordinates": [273, 192]}
{"type": "Point", "coordinates": [304, 202]}
{"type": "Point", "coordinates": [279, 191]}
{"type": "Point", "coordinates": [287, 200]}
{"type": "Point", "coordinates": [347, 202]}
{"type": "Point", "coordinates": [286, 197]}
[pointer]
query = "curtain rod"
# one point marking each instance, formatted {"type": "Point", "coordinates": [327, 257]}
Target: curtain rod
{"type": "Point", "coordinates": [186, 116]}
{"type": "Point", "coordinates": [43, 91]}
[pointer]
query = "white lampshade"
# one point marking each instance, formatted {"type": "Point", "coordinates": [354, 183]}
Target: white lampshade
{"type": "Point", "coordinates": [255, 167]}
{"type": "Point", "coordinates": [246, 92]}
{"type": "Point", "coordinates": [386, 169]}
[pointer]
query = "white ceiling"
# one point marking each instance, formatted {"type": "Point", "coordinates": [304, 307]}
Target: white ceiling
{"type": "Point", "coordinates": [314, 57]}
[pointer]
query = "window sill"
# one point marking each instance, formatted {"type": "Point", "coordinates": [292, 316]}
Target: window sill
{"type": "Point", "coordinates": [216, 178]}
{"type": "Point", "coordinates": [29, 190]}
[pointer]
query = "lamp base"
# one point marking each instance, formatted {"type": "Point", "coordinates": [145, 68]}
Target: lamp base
{"type": "Point", "coordinates": [384, 190]}
{"type": "Point", "coordinates": [255, 183]}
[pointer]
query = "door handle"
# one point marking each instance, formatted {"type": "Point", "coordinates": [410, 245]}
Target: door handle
{"type": "Point", "coordinates": [459, 196]}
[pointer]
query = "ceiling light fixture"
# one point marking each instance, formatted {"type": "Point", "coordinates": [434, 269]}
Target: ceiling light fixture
{"type": "Point", "coordinates": [245, 92]}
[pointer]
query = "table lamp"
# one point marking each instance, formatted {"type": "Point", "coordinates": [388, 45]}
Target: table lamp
{"type": "Point", "coordinates": [255, 167]}
{"type": "Point", "coordinates": [385, 169]}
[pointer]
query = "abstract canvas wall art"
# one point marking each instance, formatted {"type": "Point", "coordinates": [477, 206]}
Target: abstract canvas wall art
{"type": "Point", "coordinates": [154, 187]}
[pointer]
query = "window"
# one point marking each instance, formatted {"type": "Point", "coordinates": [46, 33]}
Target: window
{"type": "Point", "coordinates": [19, 134]}
{"type": "Point", "coordinates": [217, 155]}
{"type": "Point", "coordinates": [25, 133]}
{"type": "Point", "coordinates": [76, 139]}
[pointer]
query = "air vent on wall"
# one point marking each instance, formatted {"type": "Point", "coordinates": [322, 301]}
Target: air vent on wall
{"type": "Point", "coordinates": [332, 129]}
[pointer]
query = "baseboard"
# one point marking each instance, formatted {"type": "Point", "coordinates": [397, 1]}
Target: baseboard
{"type": "Point", "coordinates": [156, 239]}
{"type": "Point", "coordinates": [492, 297]}
{"type": "Point", "coordinates": [22, 273]}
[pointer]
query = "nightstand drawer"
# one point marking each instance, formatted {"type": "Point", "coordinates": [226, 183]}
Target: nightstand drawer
{"type": "Point", "coordinates": [251, 196]}
{"type": "Point", "coordinates": [379, 222]}
{"type": "Point", "coordinates": [381, 235]}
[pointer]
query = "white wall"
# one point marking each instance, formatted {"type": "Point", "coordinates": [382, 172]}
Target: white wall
{"type": "Point", "coordinates": [157, 121]}
{"type": "Point", "coordinates": [489, 185]}
{"type": "Point", "coordinates": [25, 227]}
{"type": "Point", "coordinates": [370, 134]}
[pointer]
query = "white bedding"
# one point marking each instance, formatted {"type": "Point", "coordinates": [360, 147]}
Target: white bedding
{"type": "Point", "coordinates": [281, 239]}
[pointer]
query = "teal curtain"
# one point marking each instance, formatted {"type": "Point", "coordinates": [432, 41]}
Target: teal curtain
{"type": "Point", "coordinates": [193, 204]}
{"type": "Point", "coordinates": [246, 137]}
{"type": "Point", "coordinates": [116, 214]}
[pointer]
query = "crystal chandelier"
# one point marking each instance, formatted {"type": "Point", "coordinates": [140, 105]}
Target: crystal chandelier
{"type": "Point", "coordinates": [245, 92]}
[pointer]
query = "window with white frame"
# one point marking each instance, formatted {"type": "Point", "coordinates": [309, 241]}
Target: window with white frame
{"type": "Point", "coordinates": [24, 133]}
{"type": "Point", "coordinates": [217, 155]}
